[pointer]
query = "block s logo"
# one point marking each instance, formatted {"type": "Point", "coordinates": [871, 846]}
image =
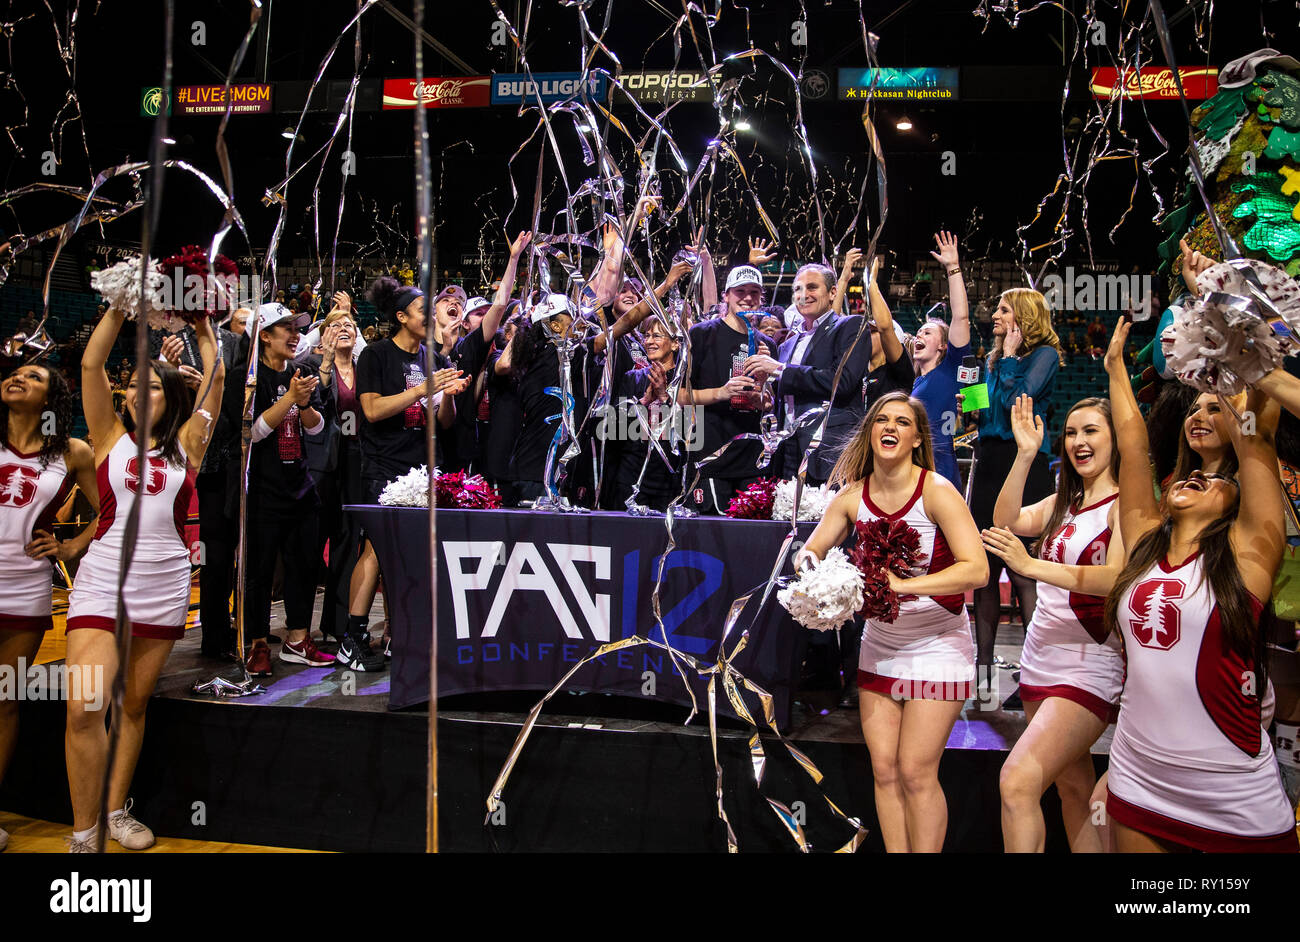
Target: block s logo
{"type": "Point", "coordinates": [156, 476]}
{"type": "Point", "coordinates": [1156, 620]}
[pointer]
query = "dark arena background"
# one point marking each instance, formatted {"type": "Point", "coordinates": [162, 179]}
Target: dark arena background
{"type": "Point", "coordinates": [617, 667]}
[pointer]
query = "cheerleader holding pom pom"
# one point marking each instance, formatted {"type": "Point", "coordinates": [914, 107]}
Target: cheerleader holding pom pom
{"type": "Point", "coordinates": [157, 588]}
{"type": "Point", "coordinates": [916, 671]}
{"type": "Point", "coordinates": [1190, 765]}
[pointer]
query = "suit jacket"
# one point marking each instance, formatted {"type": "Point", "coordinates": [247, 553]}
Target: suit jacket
{"type": "Point", "coordinates": [810, 385]}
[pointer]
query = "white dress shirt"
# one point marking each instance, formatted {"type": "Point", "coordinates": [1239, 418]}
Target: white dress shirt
{"type": "Point", "coordinates": [796, 359]}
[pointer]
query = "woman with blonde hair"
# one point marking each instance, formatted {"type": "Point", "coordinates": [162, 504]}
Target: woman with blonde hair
{"type": "Point", "coordinates": [1024, 360]}
{"type": "Point", "coordinates": [914, 673]}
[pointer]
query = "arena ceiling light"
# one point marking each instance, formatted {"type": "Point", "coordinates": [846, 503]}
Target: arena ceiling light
{"type": "Point", "coordinates": [743, 124]}
{"type": "Point", "coordinates": [904, 123]}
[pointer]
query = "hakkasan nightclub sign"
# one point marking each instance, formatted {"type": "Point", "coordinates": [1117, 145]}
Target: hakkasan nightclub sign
{"type": "Point", "coordinates": [463, 91]}
{"type": "Point", "coordinates": [207, 99]}
{"type": "Point", "coordinates": [517, 88]}
{"type": "Point", "coordinates": [1155, 82]}
{"type": "Point", "coordinates": [914, 84]}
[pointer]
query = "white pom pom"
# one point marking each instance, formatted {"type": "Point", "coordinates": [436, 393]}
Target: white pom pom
{"type": "Point", "coordinates": [825, 597]}
{"type": "Point", "coordinates": [120, 287]}
{"type": "Point", "coordinates": [409, 490]}
{"type": "Point", "coordinates": [813, 502]}
{"type": "Point", "coordinates": [1226, 344]}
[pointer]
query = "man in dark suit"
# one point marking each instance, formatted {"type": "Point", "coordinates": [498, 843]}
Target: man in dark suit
{"type": "Point", "coordinates": [803, 378]}
{"type": "Point", "coordinates": [806, 369]}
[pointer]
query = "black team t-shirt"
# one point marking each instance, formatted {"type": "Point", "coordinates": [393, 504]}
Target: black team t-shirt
{"type": "Point", "coordinates": [505, 414]}
{"type": "Point", "coordinates": [468, 433]}
{"type": "Point", "coordinates": [279, 484]}
{"type": "Point", "coordinates": [538, 406]}
{"type": "Point", "coordinates": [393, 446]}
{"type": "Point", "coordinates": [713, 345]}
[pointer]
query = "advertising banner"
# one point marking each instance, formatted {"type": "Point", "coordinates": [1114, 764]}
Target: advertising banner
{"type": "Point", "coordinates": [515, 88]}
{"type": "Point", "coordinates": [461, 91]}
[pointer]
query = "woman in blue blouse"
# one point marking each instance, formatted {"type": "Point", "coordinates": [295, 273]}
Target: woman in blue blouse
{"type": "Point", "coordinates": [1025, 357]}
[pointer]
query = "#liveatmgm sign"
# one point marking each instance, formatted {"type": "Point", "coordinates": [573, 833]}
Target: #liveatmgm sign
{"type": "Point", "coordinates": [516, 88]}
{"type": "Point", "coordinates": [207, 99]}
{"type": "Point", "coordinates": [897, 84]}
{"type": "Point", "coordinates": [464, 91]}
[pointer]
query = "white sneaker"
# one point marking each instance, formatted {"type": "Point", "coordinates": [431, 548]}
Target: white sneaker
{"type": "Point", "coordinates": [81, 847]}
{"type": "Point", "coordinates": [127, 831]}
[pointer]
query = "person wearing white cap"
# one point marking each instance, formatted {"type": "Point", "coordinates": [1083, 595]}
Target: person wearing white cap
{"type": "Point", "coordinates": [733, 402]}
{"type": "Point", "coordinates": [533, 360]}
{"type": "Point", "coordinates": [283, 508]}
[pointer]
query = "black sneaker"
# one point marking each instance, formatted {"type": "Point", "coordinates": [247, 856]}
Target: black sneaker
{"type": "Point", "coordinates": [354, 653]}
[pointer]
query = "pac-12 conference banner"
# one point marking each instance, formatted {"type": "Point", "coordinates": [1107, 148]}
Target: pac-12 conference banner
{"type": "Point", "coordinates": [516, 88]}
{"type": "Point", "coordinates": [523, 597]}
{"type": "Point", "coordinates": [462, 91]}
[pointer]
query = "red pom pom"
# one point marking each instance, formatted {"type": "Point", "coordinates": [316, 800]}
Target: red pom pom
{"type": "Point", "coordinates": [454, 490]}
{"type": "Point", "coordinates": [884, 546]}
{"type": "Point", "coordinates": [754, 502]}
{"type": "Point", "coordinates": [191, 263]}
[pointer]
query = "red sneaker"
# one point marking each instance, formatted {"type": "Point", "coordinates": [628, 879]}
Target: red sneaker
{"type": "Point", "coordinates": [305, 652]}
{"type": "Point", "coordinates": [259, 660]}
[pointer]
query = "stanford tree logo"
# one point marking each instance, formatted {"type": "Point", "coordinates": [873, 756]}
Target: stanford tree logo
{"type": "Point", "coordinates": [1155, 617]}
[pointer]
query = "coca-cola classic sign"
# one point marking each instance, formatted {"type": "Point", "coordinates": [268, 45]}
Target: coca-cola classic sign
{"type": "Point", "coordinates": [462, 91]}
{"type": "Point", "coordinates": [1156, 82]}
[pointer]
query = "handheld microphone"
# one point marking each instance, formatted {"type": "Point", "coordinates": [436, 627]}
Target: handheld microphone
{"type": "Point", "coordinates": [969, 371]}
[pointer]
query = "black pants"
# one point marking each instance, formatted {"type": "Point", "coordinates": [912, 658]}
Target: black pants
{"type": "Point", "coordinates": [292, 537]}
{"type": "Point", "coordinates": [337, 529]}
{"type": "Point", "coordinates": [219, 533]}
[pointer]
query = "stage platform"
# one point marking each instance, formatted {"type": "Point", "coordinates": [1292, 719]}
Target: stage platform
{"type": "Point", "coordinates": [319, 762]}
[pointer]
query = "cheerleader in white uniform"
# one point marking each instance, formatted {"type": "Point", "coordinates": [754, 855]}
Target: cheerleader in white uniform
{"type": "Point", "coordinates": [39, 464]}
{"type": "Point", "coordinates": [916, 673]}
{"type": "Point", "coordinates": [1190, 765]}
{"type": "Point", "coordinates": [157, 589]}
{"type": "Point", "coordinates": [1071, 668]}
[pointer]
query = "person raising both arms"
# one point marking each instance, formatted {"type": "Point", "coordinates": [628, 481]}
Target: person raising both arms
{"type": "Point", "coordinates": [156, 594]}
{"type": "Point", "coordinates": [914, 674]}
{"type": "Point", "coordinates": [1190, 765]}
{"type": "Point", "coordinates": [1071, 668]}
{"type": "Point", "coordinates": [39, 464]}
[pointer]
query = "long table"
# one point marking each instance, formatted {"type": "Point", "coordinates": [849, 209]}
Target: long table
{"type": "Point", "coordinates": [523, 596]}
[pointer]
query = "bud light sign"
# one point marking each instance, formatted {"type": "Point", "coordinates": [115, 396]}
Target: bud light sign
{"type": "Point", "coordinates": [518, 88]}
